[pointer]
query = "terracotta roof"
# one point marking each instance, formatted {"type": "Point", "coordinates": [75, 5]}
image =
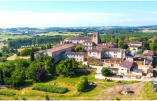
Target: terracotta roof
{"type": "Point", "coordinates": [134, 46]}
{"type": "Point", "coordinates": [115, 59]}
{"type": "Point", "coordinates": [106, 44]}
{"type": "Point", "coordinates": [150, 58]}
{"type": "Point", "coordinates": [152, 39]}
{"type": "Point", "coordinates": [150, 69]}
{"type": "Point", "coordinates": [40, 51]}
{"type": "Point", "coordinates": [148, 52]}
{"type": "Point", "coordinates": [74, 52]}
{"type": "Point", "coordinates": [127, 64]}
{"type": "Point", "coordinates": [95, 50]}
{"type": "Point", "coordinates": [113, 49]}
{"type": "Point", "coordinates": [79, 38]}
{"type": "Point", "coordinates": [133, 42]}
{"type": "Point", "coordinates": [59, 48]}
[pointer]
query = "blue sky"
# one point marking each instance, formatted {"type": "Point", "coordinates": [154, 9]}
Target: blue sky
{"type": "Point", "coordinates": [77, 13]}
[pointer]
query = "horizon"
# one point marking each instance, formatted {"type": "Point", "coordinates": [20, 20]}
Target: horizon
{"type": "Point", "coordinates": [42, 14]}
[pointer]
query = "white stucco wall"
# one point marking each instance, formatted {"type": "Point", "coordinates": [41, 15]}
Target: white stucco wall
{"type": "Point", "coordinates": [123, 70]}
{"type": "Point", "coordinates": [95, 54]}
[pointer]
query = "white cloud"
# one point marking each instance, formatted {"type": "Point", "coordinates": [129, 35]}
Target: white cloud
{"type": "Point", "coordinates": [31, 19]}
{"type": "Point", "coordinates": [153, 12]}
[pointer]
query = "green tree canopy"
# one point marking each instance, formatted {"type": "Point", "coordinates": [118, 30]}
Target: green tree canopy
{"type": "Point", "coordinates": [105, 72]}
{"type": "Point", "coordinates": [120, 43]}
{"type": "Point", "coordinates": [78, 48]}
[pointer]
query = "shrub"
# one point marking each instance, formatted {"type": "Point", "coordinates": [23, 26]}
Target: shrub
{"type": "Point", "coordinates": [16, 98]}
{"type": "Point", "coordinates": [3, 59]}
{"type": "Point", "coordinates": [82, 84]}
{"type": "Point", "coordinates": [23, 98]}
{"type": "Point", "coordinates": [7, 93]}
{"type": "Point", "coordinates": [116, 98]}
{"type": "Point", "coordinates": [49, 88]}
{"type": "Point", "coordinates": [105, 72]}
{"type": "Point", "coordinates": [47, 97]}
{"type": "Point", "coordinates": [28, 51]}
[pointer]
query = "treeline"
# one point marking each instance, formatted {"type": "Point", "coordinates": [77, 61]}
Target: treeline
{"type": "Point", "coordinates": [20, 71]}
{"type": "Point", "coordinates": [17, 43]}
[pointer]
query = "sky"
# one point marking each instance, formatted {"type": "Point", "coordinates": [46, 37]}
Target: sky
{"type": "Point", "coordinates": [77, 13]}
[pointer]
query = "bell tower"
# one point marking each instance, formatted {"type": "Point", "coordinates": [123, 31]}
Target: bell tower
{"type": "Point", "coordinates": [96, 37]}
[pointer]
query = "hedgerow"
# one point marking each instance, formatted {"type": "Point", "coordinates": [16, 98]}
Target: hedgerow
{"type": "Point", "coordinates": [28, 51]}
{"type": "Point", "coordinates": [49, 88]}
{"type": "Point", "coordinates": [7, 93]}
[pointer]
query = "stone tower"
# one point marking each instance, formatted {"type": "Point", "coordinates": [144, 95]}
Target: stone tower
{"type": "Point", "coordinates": [96, 37]}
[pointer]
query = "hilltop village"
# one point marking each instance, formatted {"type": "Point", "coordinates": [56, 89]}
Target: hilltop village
{"type": "Point", "coordinates": [106, 54]}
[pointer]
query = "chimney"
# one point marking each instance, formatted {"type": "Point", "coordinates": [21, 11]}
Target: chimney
{"type": "Point", "coordinates": [61, 42]}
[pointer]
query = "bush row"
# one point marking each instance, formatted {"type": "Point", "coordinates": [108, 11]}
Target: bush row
{"type": "Point", "coordinates": [49, 88]}
{"type": "Point", "coordinates": [7, 93]}
{"type": "Point", "coordinates": [28, 51]}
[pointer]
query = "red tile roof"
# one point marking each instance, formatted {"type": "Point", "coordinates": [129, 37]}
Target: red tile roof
{"type": "Point", "coordinates": [74, 52]}
{"type": "Point", "coordinates": [127, 64]}
{"type": "Point", "coordinates": [148, 52]}
{"type": "Point", "coordinates": [95, 50]}
{"type": "Point", "coordinates": [152, 39]}
{"type": "Point", "coordinates": [59, 48]}
{"type": "Point", "coordinates": [133, 42]}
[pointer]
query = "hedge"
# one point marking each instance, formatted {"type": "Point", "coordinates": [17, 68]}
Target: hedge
{"type": "Point", "coordinates": [49, 88]}
{"type": "Point", "coordinates": [7, 93]}
{"type": "Point", "coordinates": [28, 51]}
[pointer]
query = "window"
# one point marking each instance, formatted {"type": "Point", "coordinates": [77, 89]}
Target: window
{"type": "Point", "coordinates": [98, 53]}
{"type": "Point", "coordinates": [115, 55]}
{"type": "Point", "coordinates": [122, 69]}
{"type": "Point", "coordinates": [90, 53]}
{"type": "Point", "coordinates": [115, 52]}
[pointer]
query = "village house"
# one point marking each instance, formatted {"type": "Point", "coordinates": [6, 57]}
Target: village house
{"type": "Point", "coordinates": [107, 54]}
{"type": "Point", "coordinates": [133, 46]}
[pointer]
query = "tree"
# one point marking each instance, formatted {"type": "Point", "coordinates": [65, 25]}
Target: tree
{"type": "Point", "coordinates": [155, 41]}
{"type": "Point", "coordinates": [78, 48]}
{"type": "Point", "coordinates": [0, 54]}
{"type": "Point", "coordinates": [31, 71]}
{"type": "Point", "coordinates": [128, 50]}
{"type": "Point", "coordinates": [105, 72]}
{"type": "Point", "coordinates": [40, 74]}
{"type": "Point", "coordinates": [47, 97]}
{"type": "Point", "coordinates": [120, 43]}
{"type": "Point", "coordinates": [124, 46]}
{"type": "Point", "coordinates": [43, 47]}
{"type": "Point", "coordinates": [82, 84]}
{"type": "Point", "coordinates": [32, 55]}
{"type": "Point", "coordinates": [66, 67]}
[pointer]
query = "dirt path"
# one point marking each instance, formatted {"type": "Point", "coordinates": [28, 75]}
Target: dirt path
{"type": "Point", "coordinates": [112, 92]}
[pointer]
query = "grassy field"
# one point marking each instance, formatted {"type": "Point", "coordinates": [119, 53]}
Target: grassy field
{"type": "Point", "coordinates": [6, 37]}
{"type": "Point", "coordinates": [64, 33]}
{"type": "Point", "coordinates": [94, 92]}
{"type": "Point", "coordinates": [147, 93]}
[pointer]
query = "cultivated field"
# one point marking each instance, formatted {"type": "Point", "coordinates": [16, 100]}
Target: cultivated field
{"type": "Point", "coordinates": [64, 33]}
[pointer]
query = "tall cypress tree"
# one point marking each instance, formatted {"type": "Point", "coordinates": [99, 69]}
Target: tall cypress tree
{"type": "Point", "coordinates": [32, 55]}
